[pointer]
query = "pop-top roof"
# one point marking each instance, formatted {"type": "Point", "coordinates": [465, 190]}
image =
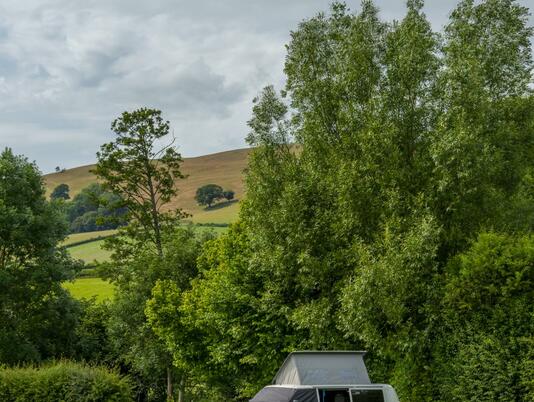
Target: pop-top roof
{"type": "Point", "coordinates": [323, 368]}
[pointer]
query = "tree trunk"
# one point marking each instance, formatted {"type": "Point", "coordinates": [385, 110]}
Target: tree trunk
{"type": "Point", "coordinates": [181, 389]}
{"type": "Point", "coordinates": [170, 397]}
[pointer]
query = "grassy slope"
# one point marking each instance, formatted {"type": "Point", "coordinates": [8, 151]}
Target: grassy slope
{"type": "Point", "coordinates": [223, 168]}
{"type": "Point", "coordinates": [85, 288]}
{"type": "Point", "coordinates": [89, 252]}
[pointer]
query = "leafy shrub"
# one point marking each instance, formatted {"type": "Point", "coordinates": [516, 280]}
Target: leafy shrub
{"type": "Point", "coordinates": [63, 381]}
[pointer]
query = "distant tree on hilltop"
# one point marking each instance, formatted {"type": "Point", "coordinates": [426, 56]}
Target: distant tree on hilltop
{"type": "Point", "coordinates": [60, 192]}
{"type": "Point", "coordinates": [229, 195]}
{"type": "Point", "coordinates": [210, 193]}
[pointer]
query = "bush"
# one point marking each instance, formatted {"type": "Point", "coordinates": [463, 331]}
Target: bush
{"type": "Point", "coordinates": [486, 351]}
{"type": "Point", "coordinates": [90, 272]}
{"type": "Point", "coordinates": [63, 381]}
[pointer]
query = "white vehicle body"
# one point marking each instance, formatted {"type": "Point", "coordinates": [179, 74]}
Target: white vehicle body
{"type": "Point", "coordinates": [339, 376]}
{"type": "Point", "coordinates": [344, 393]}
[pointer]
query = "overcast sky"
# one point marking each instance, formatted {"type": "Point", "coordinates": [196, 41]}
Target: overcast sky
{"type": "Point", "coordinates": [69, 67]}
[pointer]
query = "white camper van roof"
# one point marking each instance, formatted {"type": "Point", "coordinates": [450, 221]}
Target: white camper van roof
{"type": "Point", "coordinates": [322, 368]}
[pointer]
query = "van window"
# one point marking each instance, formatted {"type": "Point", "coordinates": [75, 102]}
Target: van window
{"type": "Point", "coordinates": [367, 395]}
{"type": "Point", "coordinates": [334, 395]}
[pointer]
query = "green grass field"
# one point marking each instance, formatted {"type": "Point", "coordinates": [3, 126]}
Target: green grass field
{"type": "Point", "coordinates": [215, 229]}
{"type": "Point", "coordinates": [85, 288]}
{"type": "Point", "coordinates": [221, 215]}
{"type": "Point", "coordinates": [90, 252]}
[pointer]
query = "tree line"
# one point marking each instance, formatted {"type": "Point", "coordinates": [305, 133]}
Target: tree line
{"type": "Point", "coordinates": [389, 207]}
{"type": "Point", "coordinates": [93, 208]}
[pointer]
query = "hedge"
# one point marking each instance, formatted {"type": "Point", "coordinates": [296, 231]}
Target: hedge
{"type": "Point", "coordinates": [92, 239]}
{"type": "Point", "coordinates": [90, 272]}
{"type": "Point", "coordinates": [63, 381]}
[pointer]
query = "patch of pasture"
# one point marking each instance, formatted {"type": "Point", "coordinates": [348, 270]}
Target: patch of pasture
{"type": "Point", "coordinates": [90, 252]}
{"type": "Point", "coordinates": [86, 288]}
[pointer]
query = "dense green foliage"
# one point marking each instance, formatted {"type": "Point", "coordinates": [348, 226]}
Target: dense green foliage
{"type": "Point", "coordinates": [390, 207]}
{"type": "Point", "coordinates": [36, 313]}
{"type": "Point", "coordinates": [132, 339]}
{"type": "Point", "coordinates": [378, 230]}
{"type": "Point", "coordinates": [60, 192]}
{"type": "Point", "coordinates": [63, 382]}
{"type": "Point", "coordinates": [488, 343]}
{"type": "Point", "coordinates": [40, 320]}
{"type": "Point", "coordinates": [95, 209]}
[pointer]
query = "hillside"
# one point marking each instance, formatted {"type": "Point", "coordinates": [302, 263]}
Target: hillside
{"type": "Point", "coordinates": [223, 168]}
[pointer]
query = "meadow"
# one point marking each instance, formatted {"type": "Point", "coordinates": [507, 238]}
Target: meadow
{"type": "Point", "coordinates": [86, 288]}
{"type": "Point", "coordinates": [91, 252]}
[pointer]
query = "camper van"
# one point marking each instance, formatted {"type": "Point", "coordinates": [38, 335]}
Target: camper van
{"type": "Point", "coordinates": [325, 377]}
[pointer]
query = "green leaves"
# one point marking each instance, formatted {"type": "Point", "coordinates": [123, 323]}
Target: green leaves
{"type": "Point", "coordinates": [144, 175]}
{"type": "Point", "coordinates": [389, 151]}
{"type": "Point", "coordinates": [486, 350]}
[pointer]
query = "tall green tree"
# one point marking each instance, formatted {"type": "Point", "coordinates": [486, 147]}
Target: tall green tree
{"type": "Point", "coordinates": [131, 334]}
{"type": "Point", "coordinates": [407, 145]}
{"type": "Point", "coordinates": [38, 316]}
{"type": "Point", "coordinates": [135, 167]}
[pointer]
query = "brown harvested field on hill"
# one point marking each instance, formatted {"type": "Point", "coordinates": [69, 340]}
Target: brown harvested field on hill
{"type": "Point", "coordinates": [223, 168]}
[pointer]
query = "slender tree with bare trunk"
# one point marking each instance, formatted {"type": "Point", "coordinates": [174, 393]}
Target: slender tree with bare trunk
{"type": "Point", "coordinates": [143, 172]}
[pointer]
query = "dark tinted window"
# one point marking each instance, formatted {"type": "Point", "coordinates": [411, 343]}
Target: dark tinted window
{"type": "Point", "coordinates": [367, 395]}
{"type": "Point", "coordinates": [336, 395]}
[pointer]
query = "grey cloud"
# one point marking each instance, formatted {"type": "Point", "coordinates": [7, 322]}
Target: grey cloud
{"type": "Point", "coordinates": [3, 32]}
{"type": "Point", "coordinates": [69, 67]}
{"type": "Point", "coordinates": [8, 65]}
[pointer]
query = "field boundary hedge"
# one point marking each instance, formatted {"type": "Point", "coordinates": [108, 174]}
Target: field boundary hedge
{"type": "Point", "coordinates": [92, 239]}
{"type": "Point", "coordinates": [209, 224]}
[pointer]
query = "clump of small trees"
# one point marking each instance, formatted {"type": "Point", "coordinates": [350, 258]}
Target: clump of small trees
{"type": "Point", "coordinates": [93, 208]}
{"type": "Point", "coordinates": [211, 193]}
